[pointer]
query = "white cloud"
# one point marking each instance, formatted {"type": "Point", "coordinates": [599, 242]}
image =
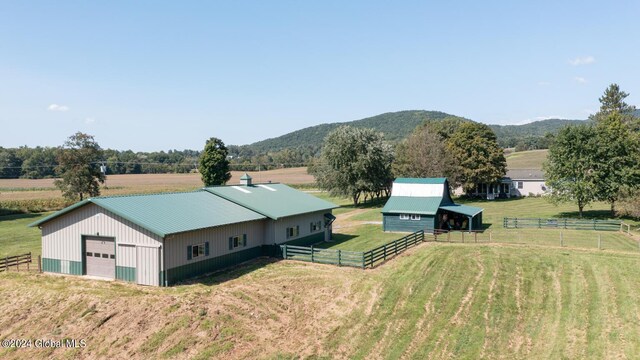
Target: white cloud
{"type": "Point", "coordinates": [580, 80]}
{"type": "Point", "coordinates": [582, 60]}
{"type": "Point", "coordinates": [89, 120]}
{"type": "Point", "coordinates": [56, 107]}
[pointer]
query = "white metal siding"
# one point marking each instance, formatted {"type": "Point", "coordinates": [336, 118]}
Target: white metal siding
{"type": "Point", "coordinates": [304, 220]}
{"type": "Point", "coordinates": [218, 238]}
{"type": "Point", "coordinates": [126, 255]}
{"type": "Point", "coordinates": [62, 237]}
{"type": "Point", "coordinates": [417, 190]}
{"type": "Point", "coordinates": [148, 270]}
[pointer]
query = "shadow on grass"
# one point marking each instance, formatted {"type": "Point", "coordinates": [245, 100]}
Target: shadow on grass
{"type": "Point", "coordinates": [466, 200]}
{"type": "Point", "coordinates": [19, 216]}
{"type": "Point", "coordinates": [230, 273]}
{"type": "Point", "coordinates": [336, 239]}
{"type": "Point", "coordinates": [587, 214]}
{"type": "Point", "coordinates": [370, 204]}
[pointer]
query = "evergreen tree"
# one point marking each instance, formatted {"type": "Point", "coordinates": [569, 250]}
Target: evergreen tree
{"type": "Point", "coordinates": [214, 166]}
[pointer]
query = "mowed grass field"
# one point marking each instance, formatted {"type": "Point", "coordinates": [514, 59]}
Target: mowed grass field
{"type": "Point", "coordinates": [435, 301]}
{"type": "Point", "coordinates": [531, 159]}
{"type": "Point", "coordinates": [508, 299]}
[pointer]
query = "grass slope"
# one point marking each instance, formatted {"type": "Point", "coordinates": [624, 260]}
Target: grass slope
{"type": "Point", "coordinates": [435, 301]}
{"type": "Point", "coordinates": [532, 159]}
{"type": "Point", "coordinates": [16, 238]}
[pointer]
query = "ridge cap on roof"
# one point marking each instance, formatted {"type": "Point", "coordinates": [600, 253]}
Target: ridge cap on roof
{"type": "Point", "coordinates": [143, 194]}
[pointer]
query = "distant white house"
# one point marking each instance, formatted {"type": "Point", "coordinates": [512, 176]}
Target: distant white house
{"type": "Point", "coordinates": [517, 183]}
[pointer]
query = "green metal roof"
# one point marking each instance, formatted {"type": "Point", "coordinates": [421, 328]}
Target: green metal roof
{"type": "Point", "coordinates": [420, 180]}
{"type": "Point", "coordinates": [272, 200]}
{"type": "Point", "coordinates": [412, 205]}
{"type": "Point", "coordinates": [165, 214]}
{"type": "Point", "coordinates": [463, 209]}
{"type": "Point", "coordinates": [245, 177]}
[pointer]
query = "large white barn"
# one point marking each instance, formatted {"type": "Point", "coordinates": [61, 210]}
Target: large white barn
{"type": "Point", "coordinates": [160, 239]}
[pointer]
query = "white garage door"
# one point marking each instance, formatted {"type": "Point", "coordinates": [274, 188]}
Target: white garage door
{"type": "Point", "coordinates": [101, 256]}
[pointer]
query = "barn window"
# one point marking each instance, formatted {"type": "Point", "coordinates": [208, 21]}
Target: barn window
{"type": "Point", "coordinates": [404, 216]}
{"type": "Point", "coordinates": [236, 241]}
{"type": "Point", "coordinates": [89, 254]}
{"type": "Point", "coordinates": [315, 226]}
{"type": "Point", "coordinates": [293, 231]}
{"type": "Point", "coordinates": [520, 184]}
{"type": "Point", "coordinates": [415, 217]}
{"type": "Point", "coordinates": [197, 250]}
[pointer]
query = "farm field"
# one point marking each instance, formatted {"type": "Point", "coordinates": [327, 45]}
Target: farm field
{"type": "Point", "coordinates": [531, 159]}
{"type": "Point", "coordinates": [30, 189]}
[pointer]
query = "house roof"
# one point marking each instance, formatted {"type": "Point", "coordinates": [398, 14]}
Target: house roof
{"type": "Point", "coordinates": [274, 201]}
{"type": "Point", "coordinates": [412, 205]}
{"type": "Point", "coordinates": [525, 174]}
{"type": "Point", "coordinates": [171, 213]}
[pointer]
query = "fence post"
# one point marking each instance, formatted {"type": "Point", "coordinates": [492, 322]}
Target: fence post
{"type": "Point", "coordinates": [599, 242]}
{"type": "Point", "coordinates": [39, 263]}
{"type": "Point", "coordinates": [384, 251]}
{"type": "Point", "coordinates": [339, 258]}
{"type": "Point", "coordinates": [284, 252]}
{"type": "Point", "coordinates": [312, 253]}
{"type": "Point", "coordinates": [561, 240]}
{"type": "Point", "coordinates": [6, 263]}
{"type": "Point", "coordinates": [363, 260]}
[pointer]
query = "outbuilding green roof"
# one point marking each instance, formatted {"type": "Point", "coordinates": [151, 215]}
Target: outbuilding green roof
{"type": "Point", "coordinates": [275, 201]}
{"type": "Point", "coordinates": [165, 214]}
{"type": "Point", "coordinates": [420, 180]}
{"type": "Point", "coordinates": [463, 209]}
{"type": "Point", "coordinates": [412, 205]}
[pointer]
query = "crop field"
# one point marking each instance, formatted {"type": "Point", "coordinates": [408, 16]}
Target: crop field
{"type": "Point", "coordinates": [28, 189]}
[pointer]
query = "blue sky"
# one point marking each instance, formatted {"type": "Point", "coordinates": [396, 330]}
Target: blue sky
{"type": "Point", "coordinates": [150, 75]}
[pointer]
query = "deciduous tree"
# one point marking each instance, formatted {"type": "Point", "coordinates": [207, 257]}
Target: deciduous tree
{"type": "Point", "coordinates": [476, 156]}
{"type": "Point", "coordinates": [78, 167]}
{"type": "Point", "coordinates": [423, 154]}
{"type": "Point", "coordinates": [354, 161]}
{"type": "Point", "coordinates": [569, 166]}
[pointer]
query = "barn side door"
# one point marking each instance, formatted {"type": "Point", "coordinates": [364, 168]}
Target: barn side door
{"type": "Point", "coordinates": [148, 265]}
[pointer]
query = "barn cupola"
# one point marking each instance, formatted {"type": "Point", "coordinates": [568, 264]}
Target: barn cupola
{"type": "Point", "coordinates": [245, 180]}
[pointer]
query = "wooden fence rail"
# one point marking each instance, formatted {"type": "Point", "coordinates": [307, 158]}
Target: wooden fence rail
{"type": "Point", "coordinates": [15, 261]}
{"type": "Point", "coordinates": [575, 224]}
{"type": "Point", "coordinates": [360, 259]}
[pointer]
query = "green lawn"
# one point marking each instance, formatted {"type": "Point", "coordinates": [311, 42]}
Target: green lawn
{"type": "Point", "coordinates": [360, 238]}
{"type": "Point", "coordinates": [16, 238]}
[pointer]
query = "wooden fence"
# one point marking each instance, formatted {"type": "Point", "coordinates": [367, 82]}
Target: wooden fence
{"type": "Point", "coordinates": [15, 261]}
{"type": "Point", "coordinates": [380, 254]}
{"type": "Point", "coordinates": [575, 224]}
{"type": "Point", "coordinates": [324, 256]}
{"type": "Point", "coordinates": [361, 259]}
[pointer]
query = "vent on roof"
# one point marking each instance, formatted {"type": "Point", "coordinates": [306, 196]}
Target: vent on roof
{"type": "Point", "coordinates": [241, 189]}
{"type": "Point", "coordinates": [245, 180]}
{"type": "Point", "coordinates": [267, 187]}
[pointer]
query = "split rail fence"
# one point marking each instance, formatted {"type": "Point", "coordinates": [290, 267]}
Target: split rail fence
{"type": "Point", "coordinates": [15, 261]}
